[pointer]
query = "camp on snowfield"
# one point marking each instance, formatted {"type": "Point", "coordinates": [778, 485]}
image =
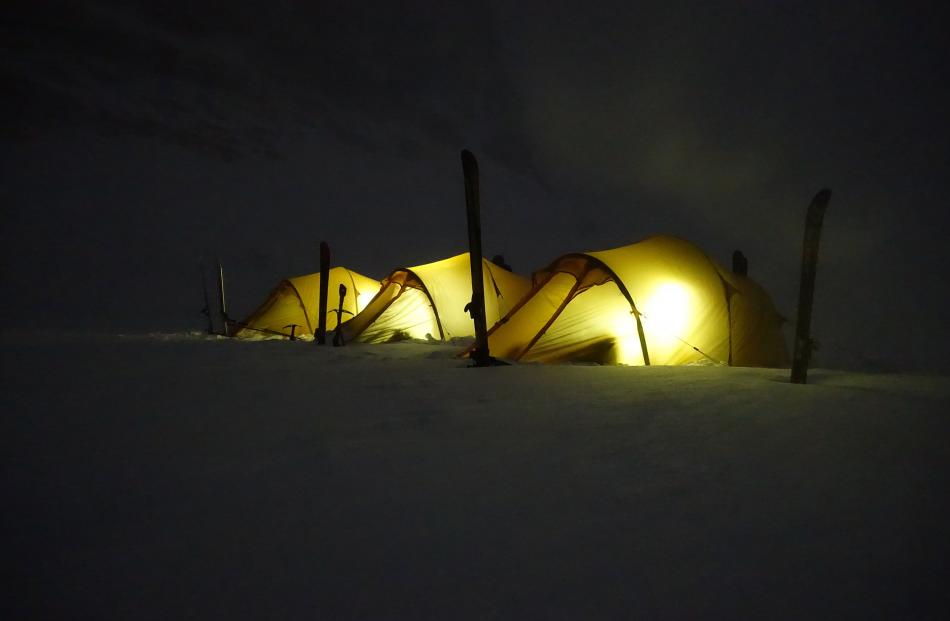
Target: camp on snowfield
{"type": "Point", "coordinates": [295, 302]}
{"type": "Point", "coordinates": [428, 302]}
{"type": "Point", "coordinates": [659, 301]}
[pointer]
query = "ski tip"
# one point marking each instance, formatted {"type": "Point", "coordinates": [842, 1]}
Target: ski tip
{"type": "Point", "coordinates": [823, 196]}
{"type": "Point", "coordinates": [468, 158]}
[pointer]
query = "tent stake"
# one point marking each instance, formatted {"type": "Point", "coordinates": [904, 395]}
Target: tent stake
{"type": "Point", "coordinates": [477, 306]}
{"type": "Point", "coordinates": [321, 335]}
{"type": "Point", "coordinates": [803, 341]}
{"type": "Point", "coordinates": [224, 307]}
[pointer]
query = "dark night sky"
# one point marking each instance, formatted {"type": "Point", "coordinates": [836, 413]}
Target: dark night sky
{"type": "Point", "coordinates": [138, 136]}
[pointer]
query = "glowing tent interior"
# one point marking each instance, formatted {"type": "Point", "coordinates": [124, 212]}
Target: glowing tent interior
{"type": "Point", "coordinates": [659, 301]}
{"type": "Point", "coordinates": [295, 301]}
{"type": "Point", "coordinates": [428, 302]}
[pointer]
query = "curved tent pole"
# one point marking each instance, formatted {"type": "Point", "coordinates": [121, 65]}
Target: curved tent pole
{"type": "Point", "coordinates": [728, 292]}
{"type": "Point", "coordinates": [435, 311]}
{"type": "Point", "coordinates": [643, 338]}
{"type": "Point", "coordinates": [633, 307]}
{"type": "Point", "coordinates": [402, 287]}
{"type": "Point", "coordinates": [550, 271]}
{"type": "Point", "coordinates": [550, 321]}
{"type": "Point", "coordinates": [356, 292]}
{"type": "Point", "coordinates": [728, 296]}
{"type": "Point", "coordinates": [385, 283]}
{"type": "Point", "coordinates": [303, 305]}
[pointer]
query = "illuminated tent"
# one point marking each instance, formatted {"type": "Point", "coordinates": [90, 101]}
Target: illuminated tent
{"type": "Point", "coordinates": [428, 302]}
{"type": "Point", "coordinates": [659, 301]}
{"type": "Point", "coordinates": [296, 300]}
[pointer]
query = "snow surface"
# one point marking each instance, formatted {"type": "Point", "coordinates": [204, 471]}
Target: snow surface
{"type": "Point", "coordinates": [191, 477]}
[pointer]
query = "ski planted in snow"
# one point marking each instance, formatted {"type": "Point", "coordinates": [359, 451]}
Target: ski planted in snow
{"type": "Point", "coordinates": [476, 308]}
{"type": "Point", "coordinates": [206, 311]}
{"type": "Point", "coordinates": [320, 338]}
{"type": "Point", "coordinates": [806, 291]}
{"type": "Point", "coordinates": [225, 330]}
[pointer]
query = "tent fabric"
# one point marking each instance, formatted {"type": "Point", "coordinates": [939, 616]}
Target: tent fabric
{"type": "Point", "coordinates": [756, 324]}
{"type": "Point", "coordinates": [296, 301]}
{"type": "Point", "coordinates": [428, 302]}
{"type": "Point", "coordinates": [659, 301]}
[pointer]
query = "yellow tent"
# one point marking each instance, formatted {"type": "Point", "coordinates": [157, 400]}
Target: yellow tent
{"type": "Point", "coordinates": [659, 301]}
{"type": "Point", "coordinates": [428, 302]}
{"type": "Point", "coordinates": [296, 300]}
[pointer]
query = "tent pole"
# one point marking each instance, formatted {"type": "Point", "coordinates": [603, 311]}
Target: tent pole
{"type": "Point", "coordinates": [643, 339]}
{"type": "Point", "coordinates": [729, 319]}
{"type": "Point", "coordinates": [557, 313]}
{"type": "Point", "coordinates": [477, 306]}
{"type": "Point", "coordinates": [321, 335]}
{"type": "Point", "coordinates": [223, 304]}
{"type": "Point", "coordinates": [806, 292]}
{"type": "Point", "coordinates": [740, 267]}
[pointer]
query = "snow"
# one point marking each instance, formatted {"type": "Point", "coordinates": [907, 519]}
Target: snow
{"type": "Point", "coordinates": [183, 476]}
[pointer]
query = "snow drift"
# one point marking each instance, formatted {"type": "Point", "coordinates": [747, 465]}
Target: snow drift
{"type": "Point", "coordinates": [157, 477]}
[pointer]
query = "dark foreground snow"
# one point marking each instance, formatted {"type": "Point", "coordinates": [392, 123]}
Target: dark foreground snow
{"type": "Point", "coordinates": [190, 478]}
